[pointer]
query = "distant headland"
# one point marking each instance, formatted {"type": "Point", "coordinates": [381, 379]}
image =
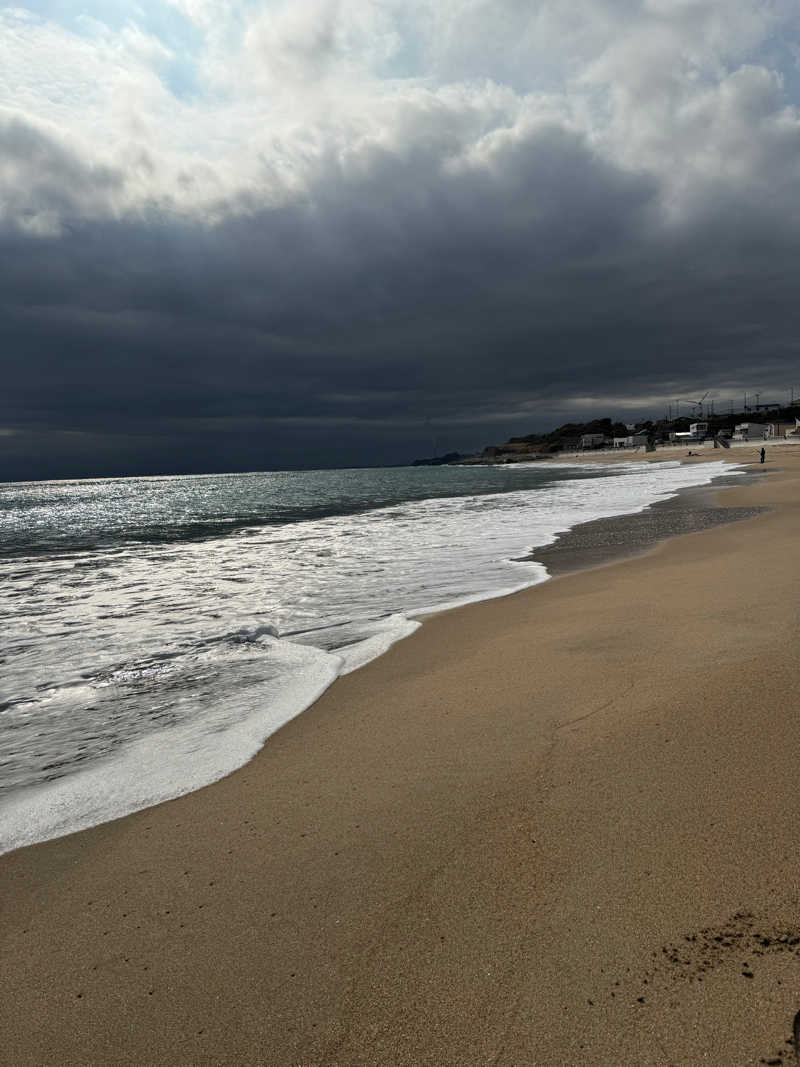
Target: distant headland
{"type": "Point", "coordinates": [605, 434]}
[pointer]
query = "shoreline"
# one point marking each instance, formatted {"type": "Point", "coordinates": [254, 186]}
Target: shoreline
{"type": "Point", "coordinates": [472, 850]}
{"type": "Point", "coordinates": [602, 542]}
{"type": "Point", "coordinates": [76, 793]}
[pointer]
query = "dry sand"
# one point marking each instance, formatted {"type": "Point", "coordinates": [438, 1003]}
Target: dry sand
{"type": "Point", "coordinates": [557, 828]}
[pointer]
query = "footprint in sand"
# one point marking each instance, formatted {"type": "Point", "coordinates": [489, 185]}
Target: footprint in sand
{"type": "Point", "coordinates": [739, 945]}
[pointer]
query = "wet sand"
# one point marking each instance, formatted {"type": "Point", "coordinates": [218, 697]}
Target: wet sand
{"type": "Point", "coordinates": [555, 828]}
{"type": "Point", "coordinates": [603, 541]}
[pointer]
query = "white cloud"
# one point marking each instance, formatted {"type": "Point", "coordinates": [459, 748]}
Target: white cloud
{"type": "Point", "coordinates": [676, 89]}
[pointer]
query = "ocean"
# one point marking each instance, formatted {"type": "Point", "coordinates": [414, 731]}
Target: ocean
{"type": "Point", "coordinates": [155, 631]}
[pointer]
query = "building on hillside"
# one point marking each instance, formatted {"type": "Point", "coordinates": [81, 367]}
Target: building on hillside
{"type": "Point", "coordinates": [594, 440]}
{"type": "Point", "coordinates": [750, 431]}
{"type": "Point", "coordinates": [633, 440]}
{"type": "Point", "coordinates": [566, 444]}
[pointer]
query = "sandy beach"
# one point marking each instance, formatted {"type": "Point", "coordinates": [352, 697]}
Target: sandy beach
{"type": "Point", "coordinates": [555, 828]}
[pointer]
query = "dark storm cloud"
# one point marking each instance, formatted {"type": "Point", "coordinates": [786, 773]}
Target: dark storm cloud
{"type": "Point", "coordinates": [396, 300]}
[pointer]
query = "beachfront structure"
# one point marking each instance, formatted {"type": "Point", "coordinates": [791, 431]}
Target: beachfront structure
{"type": "Point", "coordinates": [698, 431]}
{"type": "Point", "coordinates": [633, 440]}
{"type": "Point", "coordinates": [782, 429]}
{"type": "Point", "coordinates": [750, 431]}
{"type": "Point", "coordinates": [594, 440]}
{"type": "Point", "coordinates": [682, 437]}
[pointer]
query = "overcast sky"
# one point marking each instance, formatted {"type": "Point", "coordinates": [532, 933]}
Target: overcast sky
{"type": "Point", "coordinates": [245, 235]}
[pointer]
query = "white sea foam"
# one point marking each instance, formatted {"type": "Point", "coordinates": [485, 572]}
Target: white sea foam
{"type": "Point", "coordinates": [387, 632]}
{"type": "Point", "coordinates": [150, 670]}
{"type": "Point", "coordinates": [173, 761]}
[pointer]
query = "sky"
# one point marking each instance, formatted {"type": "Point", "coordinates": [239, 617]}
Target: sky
{"type": "Point", "coordinates": [243, 235]}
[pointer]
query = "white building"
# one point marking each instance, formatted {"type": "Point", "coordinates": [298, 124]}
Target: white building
{"type": "Point", "coordinates": [782, 429]}
{"type": "Point", "coordinates": [698, 430]}
{"type": "Point", "coordinates": [633, 440]}
{"type": "Point", "coordinates": [750, 431]}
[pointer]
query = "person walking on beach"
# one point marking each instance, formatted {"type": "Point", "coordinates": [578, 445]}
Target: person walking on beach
{"type": "Point", "coordinates": [763, 454]}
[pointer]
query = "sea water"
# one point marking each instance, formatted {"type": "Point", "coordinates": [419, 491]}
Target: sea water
{"type": "Point", "coordinates": [155, 631]}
